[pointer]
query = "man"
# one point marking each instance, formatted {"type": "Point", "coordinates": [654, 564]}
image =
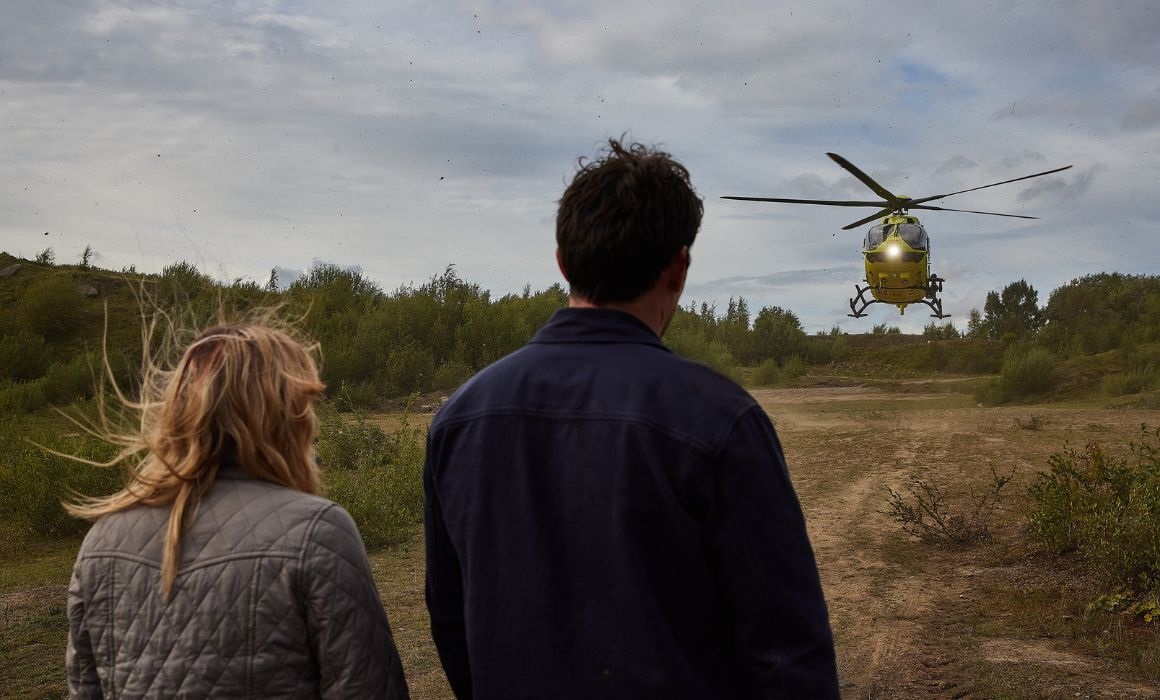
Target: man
{"type": "Point", "coordinates": [607, 520]}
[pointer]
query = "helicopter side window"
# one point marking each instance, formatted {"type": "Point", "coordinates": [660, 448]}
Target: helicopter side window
{"type": "Point", "coordinates": [875, 237]}
{"type": "Point", "coordinates": [914, 235]}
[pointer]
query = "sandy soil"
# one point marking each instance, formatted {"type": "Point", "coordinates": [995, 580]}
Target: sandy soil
{"type": "Point", "coordinates": [895, 604]}
{"type": "Point", "coordinates": [910, 620]}
{"type": "Point", "coordinates": [905, 615]}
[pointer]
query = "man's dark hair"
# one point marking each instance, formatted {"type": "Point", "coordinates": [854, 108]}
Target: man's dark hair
{"type": "Point", "coordinates": [622, 220]}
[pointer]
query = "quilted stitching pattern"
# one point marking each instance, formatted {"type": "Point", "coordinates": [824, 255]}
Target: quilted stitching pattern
{"type": "Point", "coordinates": [263, 568]}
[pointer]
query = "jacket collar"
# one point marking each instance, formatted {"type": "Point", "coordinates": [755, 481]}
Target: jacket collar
{"type": "Point", "coordinates": [230, 469]}
{"type": "Point", "coordinates": [596, 326]}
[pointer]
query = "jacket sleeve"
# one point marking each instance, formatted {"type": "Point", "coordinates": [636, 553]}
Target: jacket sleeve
{"type": "Point", "coordinates": [83, 682]}
{"type": "Point", "coordinates": [766, 568]}
{"type": "Point", "coordinates": [349, 632]}
{"type": "Point", "coordinates": [444, 588]}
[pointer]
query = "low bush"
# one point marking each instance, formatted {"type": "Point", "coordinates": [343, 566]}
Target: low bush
{"type": "Point", "coordinates": [793, 368]}
{"type": "Point", "coordinates": [928, 514]}
{"type": "Point", "coordinates": [1105, 507]}
{"type": "Point", "coordinates": [35, 482]}
{"type": "Point", "coordinates": [375, 475]}
{"type": "Point", "coordinates": [1033, 422]}
{"type": "Point", "coordinates": [17, 398]}
{"type": "Point", "coordinates": [451, 374]}
{"type": "Point", "coordinates": [767, 373]}
{"type": "Point", "coordinates": [23, 355]}
{"type": "Point", "coordinates": [1134, 381]}
{"type": "Point", "coordinates": [1026, 373]}
{"type": "Point", "coordinates": [67, 382]}
{"type": "Point", "coordinates": [711, 353]}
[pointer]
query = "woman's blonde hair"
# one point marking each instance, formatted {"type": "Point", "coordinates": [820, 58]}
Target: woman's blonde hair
{"type": "Point", "coordinates": [242, 394]}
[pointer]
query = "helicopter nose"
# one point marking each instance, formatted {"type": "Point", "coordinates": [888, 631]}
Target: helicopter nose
{"type": "Point", "coordinates": [894, 250]}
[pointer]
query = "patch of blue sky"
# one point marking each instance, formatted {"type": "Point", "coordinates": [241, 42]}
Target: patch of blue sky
{"type": "Point", "coordinates": [925, 87]}
{"type": "Point", "coordinates": [834, 135]}
{"type": "Point", "coordinates": [921, 73]}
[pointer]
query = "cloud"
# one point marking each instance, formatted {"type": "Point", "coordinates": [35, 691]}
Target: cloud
{"type": "Point", "coordinates": [1024, 156]}
{"type": "Point", "coordinates": [404, 136]}
{"type": "Point", "coordinates": [287, 276]}
{"type": "Point", "coordinates": [955, 164]}
{"type": "Point", "coordinates": [1058, 188]}
{"type": "Point", "coordinates": [1143, 114]}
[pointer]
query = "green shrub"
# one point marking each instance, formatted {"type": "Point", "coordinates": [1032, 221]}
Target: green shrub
{"type": "Point", "coordinates": [946, 331]}
{"type": "Point", "coordinates": [451, 374]}
{"type": "Point", "coordinates": [1105, 507]}
{"type": "Point", "coordinates": [767, 373]}
{"type": "Point", "coordinates": [1025, 373]}
{"type": "Point", "coordinates": [975, 357]}
{"type": "Point", "coordinates": [355, 396]}
{"type": "Point", "coordinates": [23, 355]}
{"type": "Point", "coordinates": [67, 382]}
{"type": "Point", "coordinates": [375, 475]}
{"type": "Point", "coordinates": [1134, 381]}
{"type": "Point", "coordinates": [711, 353]}
{"type": "Point", "coordinates": [793, 368]}
{"type": "Point", "coordinates": [21, 397]}
{"type": "Point", "coordinates": [53, 308]}
{"type": "Point", "coordinates": [824, 349]}
{"type": "Point", "coordinates": [35, 482]}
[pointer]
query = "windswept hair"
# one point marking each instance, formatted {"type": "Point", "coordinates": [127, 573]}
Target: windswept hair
{"type": "Point", "coordinates": [623, 219]}
{"type": "Point", "coordinates": [239, 393]}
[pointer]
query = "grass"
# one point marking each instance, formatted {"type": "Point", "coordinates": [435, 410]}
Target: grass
{"type": "Point", "coordinates": [910, 620]}
{"type": "Point", "coordinates": [34, 574]}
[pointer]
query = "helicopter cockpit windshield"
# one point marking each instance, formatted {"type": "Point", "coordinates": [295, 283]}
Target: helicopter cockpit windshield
{"type": "Point", "coordinates": [875, 237]}
{"type": "Point", "coordinates": [913, 234]}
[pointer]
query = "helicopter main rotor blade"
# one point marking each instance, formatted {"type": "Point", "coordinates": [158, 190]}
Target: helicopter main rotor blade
{"type": "Point", "coordinates": [826, 202]}
{"type": "Point", "coordinates": [868, 219]}
{"type": "Point", "coordinates": [879, 190]}
{"type": "Point", "coordinates": [971, 211]}
{"type": "Point", "coordinates": [995, 184]}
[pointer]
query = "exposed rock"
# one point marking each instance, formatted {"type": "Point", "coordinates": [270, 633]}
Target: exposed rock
{"type": "Point", "coordinates": [10, 270]}
{"type": "Point", "coordinates": [90, 290]}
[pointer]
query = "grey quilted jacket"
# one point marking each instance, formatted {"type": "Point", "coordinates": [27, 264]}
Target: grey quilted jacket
{"type": "Point", "coordinates": [274, 599]}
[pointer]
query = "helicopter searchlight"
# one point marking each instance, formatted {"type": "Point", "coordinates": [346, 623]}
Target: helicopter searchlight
{"type": "Point", "coordinates": [896, 251]}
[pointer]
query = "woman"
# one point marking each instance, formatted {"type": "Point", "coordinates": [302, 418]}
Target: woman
{"type": "Point", "coordinates": [216, 572]}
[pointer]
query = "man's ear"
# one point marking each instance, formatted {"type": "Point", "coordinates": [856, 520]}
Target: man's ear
{"type": "Point", "coordinates": [560, 264]}
{"type": "Point", "coordinates": [678, 270]}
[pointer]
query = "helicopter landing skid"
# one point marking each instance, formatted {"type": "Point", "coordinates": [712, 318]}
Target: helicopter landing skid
{"type": "Point", "coordinates": [859, 304]}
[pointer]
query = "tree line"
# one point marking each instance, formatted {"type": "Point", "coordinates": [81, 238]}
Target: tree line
{"type": "Point", "coordinates": [378, 345]}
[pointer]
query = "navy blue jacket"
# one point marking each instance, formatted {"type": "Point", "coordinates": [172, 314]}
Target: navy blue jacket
{"type": "Point", "coordinates": [607, 520]}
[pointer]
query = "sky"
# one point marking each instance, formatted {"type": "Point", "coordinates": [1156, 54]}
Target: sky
{"type": "Point", "coordinates": [398, 138]}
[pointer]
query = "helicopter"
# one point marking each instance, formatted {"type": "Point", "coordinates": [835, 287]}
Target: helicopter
{"type": "Point", "coordinates": [896, 251]}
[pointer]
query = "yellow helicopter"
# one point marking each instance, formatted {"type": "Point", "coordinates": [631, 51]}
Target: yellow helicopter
{"type": "Point", "coordinates": [897, 250]}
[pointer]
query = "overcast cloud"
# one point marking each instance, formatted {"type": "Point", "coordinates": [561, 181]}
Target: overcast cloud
{"type": "Point", "coordinates": [402, 137]}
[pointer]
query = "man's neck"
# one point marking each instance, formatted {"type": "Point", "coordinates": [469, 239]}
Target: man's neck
{"type": "Point", "coordinates": [644, 307]}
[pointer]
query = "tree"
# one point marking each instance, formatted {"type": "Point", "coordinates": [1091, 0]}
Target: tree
{"type": "Point", "coordinates": [1015, 311]}
{"type": "Point", "coordinates": [52, 308]}
{"type": "Point", "coordinates": [778, 334]}
{"type": "Point", "coordinates": [46, 257]}
{"type": "Point", "coordinates": [975, 327]}
{"type": "Point", "coordinates": [1103, 311]}
{"type": "Point", "coordinates": [86, 257]}
{"type": "Point", "coordinates": [933, 331]}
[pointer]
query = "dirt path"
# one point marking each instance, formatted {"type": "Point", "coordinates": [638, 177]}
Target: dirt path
{"type": "Point", "coordinates": [905, 614]}
{"type": "Point", "coordinates": [910, 620]}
